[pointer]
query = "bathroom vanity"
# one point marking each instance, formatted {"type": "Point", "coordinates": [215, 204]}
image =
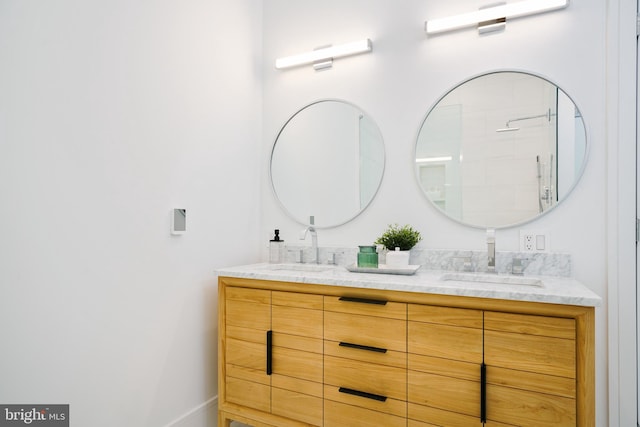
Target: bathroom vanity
{"type": "Point", "coordinates": [320, 346]}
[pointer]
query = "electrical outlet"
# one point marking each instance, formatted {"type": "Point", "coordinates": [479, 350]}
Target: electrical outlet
{"type": "Point", "coordinates": [527, 242]}
{"type": "Point", "coordinates": [534, 241]}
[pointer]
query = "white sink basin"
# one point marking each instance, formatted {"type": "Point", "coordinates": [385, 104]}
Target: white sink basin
{"type": "Point", "coordinates": [297, 267]}
{"type": "Point", "coordinates": [491, 278]}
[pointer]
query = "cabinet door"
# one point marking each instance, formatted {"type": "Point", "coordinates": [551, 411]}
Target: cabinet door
{"type": "Point", "coordinates": [444, 361]}
{"type": "Point", "coordinates": [296, 378]}
{"type": "Point", "coordinates": [247, 320]}
{"type": "Point", "coordinates": [531, 369]}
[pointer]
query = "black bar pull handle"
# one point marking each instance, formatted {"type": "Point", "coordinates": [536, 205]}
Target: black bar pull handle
{"type": "Point", "coordinates": [269, 352]}
{"type": "Point", "coordinates": [363, 300]}
{"type": "Point", "coordinates": [362, 394]}
{"type": "Point", "coordinates": [483, 393]}
{"type": "Point", "coordinates": [362, 347]}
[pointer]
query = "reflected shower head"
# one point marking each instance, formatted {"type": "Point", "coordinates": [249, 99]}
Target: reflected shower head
{"type": "Point", "coordinates": [508, 128]}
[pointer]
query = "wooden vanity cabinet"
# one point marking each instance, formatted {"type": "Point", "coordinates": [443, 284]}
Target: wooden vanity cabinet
{"type": "Point", "coordinates": [361, 357]}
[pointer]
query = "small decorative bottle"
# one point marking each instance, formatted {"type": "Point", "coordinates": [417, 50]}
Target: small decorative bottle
{"type": "Point", "coordinates": [276, 248]}
{"type": "Point", "coordinates": [367, 257]}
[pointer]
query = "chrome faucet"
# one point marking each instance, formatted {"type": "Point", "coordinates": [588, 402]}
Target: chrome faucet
{"type": "Point", "coordinates": [314, 240]}
{"type": "Point", "coordinates": [491, 250]}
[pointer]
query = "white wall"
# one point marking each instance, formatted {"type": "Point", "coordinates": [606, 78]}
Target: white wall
{"type": "Point", "coordinates": [405, 75]}
{"type": "Point", "coordinates": [112, 113]}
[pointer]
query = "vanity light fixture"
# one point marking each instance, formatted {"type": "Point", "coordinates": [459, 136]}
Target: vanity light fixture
{"type": "Point", "coordinates": [323, 57]}
{"type": "Point", "coordinates": [493, 15]}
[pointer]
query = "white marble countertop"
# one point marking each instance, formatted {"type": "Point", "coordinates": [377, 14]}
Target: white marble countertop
{"type": "Point", "coordinates": [556, 290]}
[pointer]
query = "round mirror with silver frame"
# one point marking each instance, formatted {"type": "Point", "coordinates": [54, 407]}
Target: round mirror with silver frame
{"type": "Point", "coordinates": [500, 149]}
{"type": "Point", "coordinates": [327, 163]}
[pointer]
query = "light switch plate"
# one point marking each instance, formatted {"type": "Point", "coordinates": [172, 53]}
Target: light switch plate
{"type": "Point", "coordinates": [534, 241]}
{"type": "Point", "coordinates": [178, 221]}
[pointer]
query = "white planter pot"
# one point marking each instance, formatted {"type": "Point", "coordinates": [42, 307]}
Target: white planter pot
{"type": "Point", "coordinates": [398, 258]}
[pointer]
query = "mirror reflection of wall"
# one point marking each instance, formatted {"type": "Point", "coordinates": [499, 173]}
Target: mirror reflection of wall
{"type": "Point", "coordinates": [488, 154]}
{"type": "Point", "coordinates": [371, 156]}
{"type": "Point", "coordinates": [438, 158]}
{"type": "Point", "coordinates": [327, 162]}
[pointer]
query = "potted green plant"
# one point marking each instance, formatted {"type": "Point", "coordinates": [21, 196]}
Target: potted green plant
{"type": "Point", "coordinates": [398, 241]}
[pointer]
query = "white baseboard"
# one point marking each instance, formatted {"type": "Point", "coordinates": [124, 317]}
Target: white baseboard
{"type": "Point", "coordinates": [198, 416]}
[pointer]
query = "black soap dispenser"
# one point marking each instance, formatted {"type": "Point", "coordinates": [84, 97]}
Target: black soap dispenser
{"type": "Point", "coordinates": [276, 248]}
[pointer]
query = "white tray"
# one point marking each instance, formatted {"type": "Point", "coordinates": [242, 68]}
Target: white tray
{"type": "Point", "coordinates": [383, 269]}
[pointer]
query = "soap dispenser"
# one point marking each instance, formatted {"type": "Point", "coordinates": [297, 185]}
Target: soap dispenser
{"type": "Point", "coordinates": [276, 248]}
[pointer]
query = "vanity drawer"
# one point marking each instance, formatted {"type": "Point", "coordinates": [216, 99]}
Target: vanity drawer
{"type": "Point", "coordinates": [384, 381]}
{"type": "Point", "coordinates": [379, 332]}
{"type": "Point", "coordinates": [351, 397]}
{"type": "Point", "coordinates": [366, 354]}
{"type": "Point", "coordinates": [338, 414]}
{"type": "Point", "coordinates": [366, 306]}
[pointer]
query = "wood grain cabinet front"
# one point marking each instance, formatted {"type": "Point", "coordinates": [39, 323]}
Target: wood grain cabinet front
{"type": "Point", "coordinates": [531, 370]}
{"type": "Point", "coordinates": [492, 368]}
{"type": "Point", "coordinates": [296, 378]}
{"type": "Point", "coordinates": [365, 362]}
{"type": "Point", "coordinates": [300, 355]}
{"type": "Point", "coordinates": [445, 360]}
{"type": "Point", "coordinates": [247, 324]}
{"type": "Point", "coordinates": [273, 353]}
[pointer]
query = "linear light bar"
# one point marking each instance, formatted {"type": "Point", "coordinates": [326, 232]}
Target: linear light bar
{"type": "Point", "coordinates": [434, 159]}
{"type": "Point", "coordinates": [511, 10]}
{"type": "Point", "coordinates": [325, 54]}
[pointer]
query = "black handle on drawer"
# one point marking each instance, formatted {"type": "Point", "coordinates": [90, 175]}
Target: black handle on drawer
{"type": "Point", "coordinates": [362, 394]}
{"type": "Point", "coordinates": [483, 393]}
{"type": "Point", "coordinates": [362, 347]}
{"type": "Point", "coordinates": [363, 300]}
{"type": "Point", "coordinates": [269, 352]}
